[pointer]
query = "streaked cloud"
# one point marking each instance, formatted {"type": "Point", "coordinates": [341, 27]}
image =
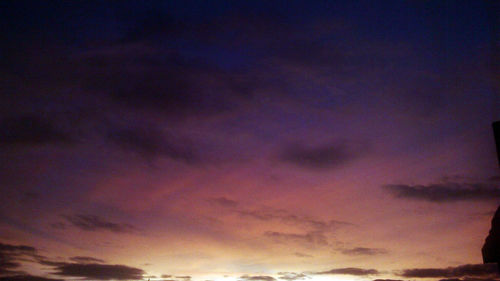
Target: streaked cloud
{"type": "Point", "coordinates": [224, 202]}
{"type": "Point", "coordinates": [446, 192]}
{"type": "Point", "coordinates": [27, 277]}
{"type": "Point", "coordinates": [267, 214]}
{"type": "Point", "coordinates": [292, 276]}
{"type": "Point", "coordinates": [257, 278]}
{"type": "Point", "coordinates": [11, 257]}
{"type": "Point", "coordinates": [471, 279]}
{"type": "Point", "coordinates": [349, 271]}
{"type": "Point", "coordinates": [362, 251]}
{"type": "Point", "coordinates": [98, 271]}
{"type": "Point", "coordinates": [302, 255]}
{"type": "Point", "coordinates": [458, 271]}
{"type": "Point", "coordinates": [152, 143]}
{"type": "Point", "coordinates": [316, 238]}
{"type": "Point", "coordinates": [97, 223]}
{"type": "Point", "coordinates": [86, 260]}
{"type": "Point", "coordinates": [322, 157]}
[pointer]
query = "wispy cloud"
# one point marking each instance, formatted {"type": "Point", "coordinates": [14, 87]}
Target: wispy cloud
{"type": "Point", "coordinates": [459, 271]}
{"type": "Point", "coordinates": [317, 238]}
{"type": "Point", "coordinates": [224, 202]}
{"type": "Point", "coordinates": [11, 257]}
{"type": "Point", "coordinates": [152, 143]}
{"type": "Point", "coordinates": [302, 255]}
{"type": "Point", "coordinates": [292, 276]}
{"type": "Point", "coordinates": [96, 223]}
{"type": "Point", "coordinates": [257, 278]}
{"type": "Point", "coordinates": [446, 192]}
{"type": "Point", "coordinates": [471, 279]}
{"type": "Point", "coordinates": [27, 277]}
{"type": "Point", "coordinates": [322, 157]}
{"type": "Point", "coordinates": [362, 251]}
{"type": "Point", "coordinates": [98, 271]}
{"type": "Point", "coordinates": [267, 214]}
{"type": "Point", "coordinates": [350, 271]}
{"type": "Point", "coordinates": [86, 260]}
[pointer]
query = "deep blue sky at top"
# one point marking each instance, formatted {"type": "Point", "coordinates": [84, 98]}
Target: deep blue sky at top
{"type": "Point", "coordinates": [453, 30]}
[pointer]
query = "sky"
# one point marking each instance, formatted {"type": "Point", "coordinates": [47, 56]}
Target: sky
{"type": "Point", "coordinates": [248, 140]}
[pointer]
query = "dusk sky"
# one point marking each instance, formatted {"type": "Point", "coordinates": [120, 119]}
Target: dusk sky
{"type": "Point", "coordinates": [248, 140]}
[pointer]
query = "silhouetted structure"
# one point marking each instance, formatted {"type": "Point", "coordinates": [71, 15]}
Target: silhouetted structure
{"type": "Point", "coordinates": [496, 132]}
{"type": "Point", "coordinates": [491, 247]}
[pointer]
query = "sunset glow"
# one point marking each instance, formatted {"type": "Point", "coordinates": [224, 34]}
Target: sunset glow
{"type": "Point", "coordinates": [248, 140]}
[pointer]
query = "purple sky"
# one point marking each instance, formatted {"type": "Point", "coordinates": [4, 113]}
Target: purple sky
{"type": "Point", "coordinates": [247, 140]}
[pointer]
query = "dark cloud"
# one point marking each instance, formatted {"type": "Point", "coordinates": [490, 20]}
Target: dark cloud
{"type": "Point", "coordinates": [25, 277]}
{"type": "Point", "coordinates": [186, 278]}
{"type": "Point", "coordinates": [224, 202]}
{"type": "Point", "coordinates": [450, 272]}
{"type": "Point", "coordinates": [317, 238]}
{"type": "Point", "coordinates": [362, 251]}
{"type": "Point", "coordinates": [491, 247]}
{"type": "Point", "coordinates": [11, 257]}
{"type": "Point", "coordinates": [85, 260]}
{"type": "Point", "coordinates": [446, 192]}
{"type": "Point", "coordinates": [321, 157]}
{"type": "Point", "coordinates": [147, 77]}
{"type": "Point", "coordinates": [152, 143]}
{"type": "Point", "coordinates": [494, 178]}
{"type": "Point", "coordinates": [95, 271]}
{"type": "Point", "coordinates": [166, 276]}
{"type": "Point", "coordinates": [16, 249]}
{"type": "Point", "coordinates": [131, 79]}
{"type": "Point", "coordinates": [292, 276]}
{"type": "Point", "coordinates": [31, 130]}
{"type": "Point", "coordinates": [257, 278]}
{"type": "Point", "coordinates": [350, 271]}
{"type": "Point", "coordinates": [96, 223]}
{"type": "Point", "coordinates": [387, 280]}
